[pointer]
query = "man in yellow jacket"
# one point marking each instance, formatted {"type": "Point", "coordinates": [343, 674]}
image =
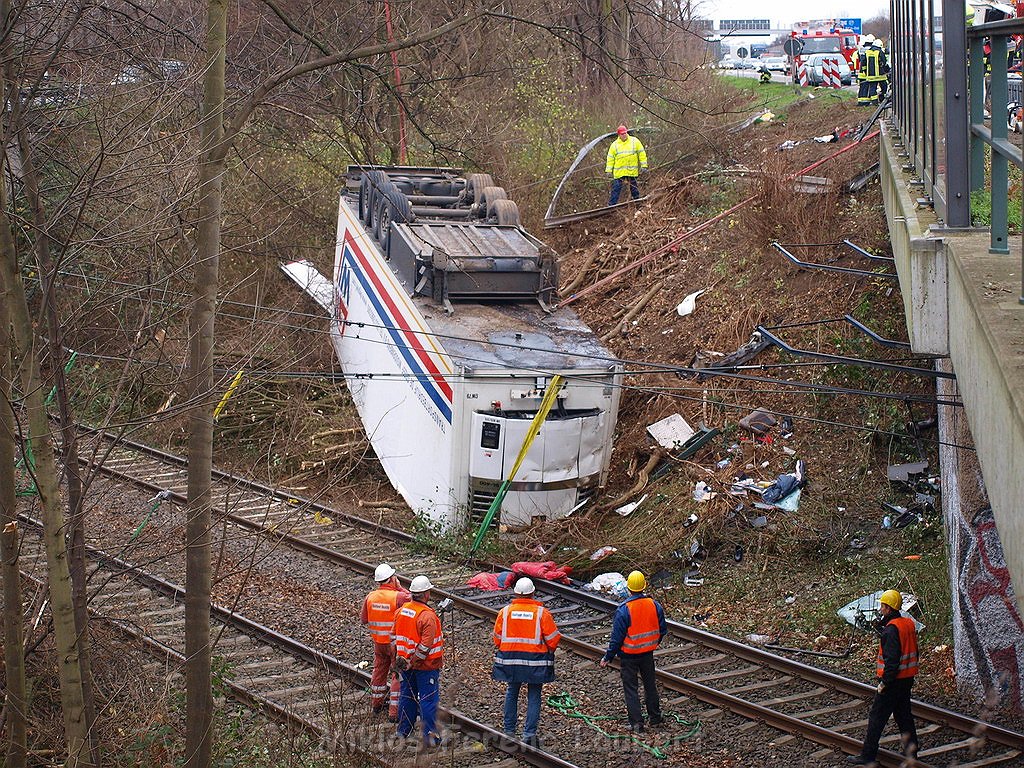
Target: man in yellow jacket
{"type": "Point", "coordinates": [626, 158]}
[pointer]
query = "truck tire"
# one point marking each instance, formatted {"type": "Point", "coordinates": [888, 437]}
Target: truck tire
{"type": "Point", "coordinates": [400, 209]}
{"type": "Point", "coordinates": [369, 187]}
{"type": "Point", "coordinates": [506, 212]}
{"type": "Point", "coordinates": [490, 196]}
{"type": "Point", "coordinates": [476, 183]}
{"type": "Point", "coordinates": [393, 206]}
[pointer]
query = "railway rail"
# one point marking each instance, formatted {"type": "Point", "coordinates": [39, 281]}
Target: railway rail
{"type": "Point", "coordinates": [802, 701]}
{"type": "Point", "coordinates": [278, 674]}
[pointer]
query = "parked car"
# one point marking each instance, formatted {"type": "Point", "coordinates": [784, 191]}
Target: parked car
{"type": "Point", "coordinates": [744, 64]}
{"type": "Point", "coordinates": [814, 68]}
{"type": "Point", "coordinates": [776, 63]}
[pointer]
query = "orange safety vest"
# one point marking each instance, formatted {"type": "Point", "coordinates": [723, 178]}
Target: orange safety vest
{"type": "Point", "coordinates": [381, 605]}
{"type": "Point", "coordinates": [644, 632]}
{"type": "Point", "coordinates": [519, 626]}
{"type": "Point", "coordinates": [408, 640]}
{"type": "Point", "coordinates": [908, 648]}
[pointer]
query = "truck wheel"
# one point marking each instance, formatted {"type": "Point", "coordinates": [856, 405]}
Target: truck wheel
{"type": "Point", "coordinates": [476, 183]}
{"type": "Point", "coordinates": [382, 221]}
{"type": "Point", "coordinates": [399, 208]}
{"type": "Point", "coordinates": [506, 212]}
{"type": "Point", "coordinates": [490, 196]}
{"type": "Point", "coordinates": [369, 187]}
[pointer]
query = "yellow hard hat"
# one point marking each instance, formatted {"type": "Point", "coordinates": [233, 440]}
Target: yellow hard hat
{"type": "Point", "coordinates": [636, 582]}
{"type": "Point", "coordinates": [892, 598]}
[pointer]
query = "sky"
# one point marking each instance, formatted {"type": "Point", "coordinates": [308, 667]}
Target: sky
{"type": "Point", "coordinates": [786, 12]}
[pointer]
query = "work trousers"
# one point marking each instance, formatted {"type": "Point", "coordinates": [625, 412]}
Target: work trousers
{"type": "Point", "coordinates": [384, 685]}
{"type": "Point", "coordinates": [867, 94]}
{"type": "Point", "coordinates": [642, 664]}
{"type": "Point", "coordinates": [533, 699]}
{"type": "Point", "coordinates": [420, 692]}
{"type": "Point", "coordinates": [895, 701]}
{"type": "Point", "coordinates": [634, 189]}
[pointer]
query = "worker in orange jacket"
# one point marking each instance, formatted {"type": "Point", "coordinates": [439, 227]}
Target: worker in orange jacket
{"type": "Point", "coordinates": [525, 637]}
{"type": "Point", "coordinates": [419, 647]}
{"type": "Point", "coordinates": [896, 668]}
{"type": "Point", "coordinates": [378, 614]}
{"type": "Point", "coordinates": [637, 630]}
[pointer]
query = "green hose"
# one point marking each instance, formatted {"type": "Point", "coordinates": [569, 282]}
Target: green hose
{"type": "Point", "coordinates": [567, 706]}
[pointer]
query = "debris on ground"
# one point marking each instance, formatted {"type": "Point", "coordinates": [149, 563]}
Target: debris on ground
{"type": "Point", "coordinates": [702, 492]}
{"type": "Point", "coordinates": [547, 569]}
{"type": "Point", "coordinates": [902, 472]}
{"type": "Point", "coordinates": [687, 305]}
{"type": "Point", "coordinates": [491, 582]}
{"type": "Point", "coordinates": [632, 506]}
{"type": "Point", "coordinates": [672, 432]}
{"type": "Point", "coordinates": [612, 583]}
{"type": "Point", "coordinates": [758, 422]}
{"type": "Point", "coordinates": [602, 552]}
{"type": "Point", "coordinates": [863, 612]}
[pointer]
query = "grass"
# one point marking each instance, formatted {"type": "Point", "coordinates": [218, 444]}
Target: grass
{"type": "Point", "coordinates": [778, 96]}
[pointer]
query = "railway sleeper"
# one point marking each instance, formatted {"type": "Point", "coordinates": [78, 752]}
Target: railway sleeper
{"type": "Point", "coordinates": [699, 662]}
{"type": "Point", "coordinates": [1001, 759]}
{"type": "Point", "coordinates": [287, 695]}
{"type": "Point", "coordinates": [738, 672]}
{"type": "Point", "coordinates": [762, 684]}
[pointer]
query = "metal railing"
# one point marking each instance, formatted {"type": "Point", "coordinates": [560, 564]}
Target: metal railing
{"type": "Point", "coordinates": [940, 91]}
{"type": "Point", "coordinates": [995, 136]}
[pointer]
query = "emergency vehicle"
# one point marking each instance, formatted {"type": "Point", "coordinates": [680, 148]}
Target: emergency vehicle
{"type": "Point", "coordinates": [809, 38]}
{"type": "Point", "coordinates": [442, 319]}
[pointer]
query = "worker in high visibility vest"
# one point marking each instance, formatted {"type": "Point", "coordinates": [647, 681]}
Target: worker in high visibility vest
{"type": "Point", "coordinates": [873, 72]}
{"type": "Point", "coordinates": [419, 654]}
{"type": "Point", "coordinates": [378, 615]}
{"type": "Point", "coordinates": [896, 668]}
{"type": "Point", "coordinates": [525, 636]}
{"type": "Point", "coordinates": [637, 631]}
{"type": "Point", "coordinates": [626, 158]}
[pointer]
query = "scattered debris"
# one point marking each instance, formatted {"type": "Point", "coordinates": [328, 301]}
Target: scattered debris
{"type": "Point", "coordinates": [759, 522]}
{"type": "Point", "coordinates": [702, 492]}
{"type": "Point", "coordinates": [758, 639]}
{"type": "Point", "coordinates": [693, 579]}
{"type": "Point", "coordinates": [788, 451]}
{"type": "Point", "coordinates": [626, 509]}
{"type": "Point", "coordinates": [863, 611]}
{"type": "Point", "coordinates": [661, 579]}
{"type": "Point", "coordinates": [902, 516]}
{"type": "Point", "coordinates": [753, 347]}
{"type": "Point", "coordinates": [548, 569]}
{"type": "Point", "coordinates": [723, 463]}
{"type": "Point", "coordinates": [491, 582]}
{"type": "Point", "coordinates": [690, 520]}
{"type": "Point", "coordinates": [902, 472]}
{"type": "Point", "coordinates": [737, 553]}
{"type": "Point", "coordinates": [758, 422]}
{"type": "Point", "coordinates": [689, 304]}
{"type": "Point", "coordinates": [787, 428]}
{"type": "Point", "coordinates": [784, 485]}
{"type": "Point", "coordinates": [602, 552]}
{"type": "Point", "coordinates": [911, 557]}
{"type": "Point", "coordinates": [612, 583]}
{"type": "Point", "coordinates": [672, 432]}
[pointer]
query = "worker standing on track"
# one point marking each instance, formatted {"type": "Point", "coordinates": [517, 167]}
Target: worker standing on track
{"type": "Point", "coordinates": [419, 651]}
{"type": "Point", "coordinates": [525, 636]}
{"type": "Point", "coordinates": [378, 614]}
{"type": "Point", "coordinates": [637, 631]}
{"type": "Point", "coordinates": [897, 666]}
{"type": "Point", "coordinates": [626, 158]}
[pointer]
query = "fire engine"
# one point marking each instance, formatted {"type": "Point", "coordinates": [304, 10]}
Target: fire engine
{"type": "Point", "coordinates": [809, 39]}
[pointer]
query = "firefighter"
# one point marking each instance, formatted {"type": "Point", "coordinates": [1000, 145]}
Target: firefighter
{"type": "Point", "coordinates": [626, 158]}
{"type": "Point", "coordinates": [378, 615]}
{"type": "Point", "coordinates": [525, 636]}
{"type": "Point", "coordinates": [419, 656]}
{"type": "Point", "coordinates": [874, 69]}
{"type": "Point", "coordinates": [896, 667]}
{"type": "Point", "coordinates": [637, 631]}
{"type": "Point", "coordinates": [766, 75]}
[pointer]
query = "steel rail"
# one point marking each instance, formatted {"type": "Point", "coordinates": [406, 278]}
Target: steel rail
{"type": "Point", "coordinates": [924, 710]}
{"type": "Point", "coordinates": [829, 268]}
{"type": "Point", "coordinates": [484, 733]}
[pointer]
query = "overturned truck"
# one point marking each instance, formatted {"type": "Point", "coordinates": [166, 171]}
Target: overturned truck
{"type": "Point", "coordinates": [443, 322]}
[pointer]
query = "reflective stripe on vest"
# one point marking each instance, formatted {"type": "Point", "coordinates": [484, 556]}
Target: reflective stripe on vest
{"type": "Point", "coordinates": [407, 634]}
{"type": "Point", "coordinates": [644, 632]}
{"type": "Point", "coordinates": [908, 648]}
{"type": "Point", "coordinates": [520, 628]}
{"type": "Point", "coordinates": [380, 614]}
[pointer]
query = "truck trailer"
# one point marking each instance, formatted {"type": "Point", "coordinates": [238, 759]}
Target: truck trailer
{"type": "Point", "coordinates": [443, 321]}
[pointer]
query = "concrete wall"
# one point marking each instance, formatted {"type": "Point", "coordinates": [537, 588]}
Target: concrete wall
{"type": "Point", "coordinates": [961, 300]}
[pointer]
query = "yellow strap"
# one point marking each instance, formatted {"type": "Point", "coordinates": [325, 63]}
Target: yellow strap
{"type": "Point", "coordinates": [542, 413]}
{"type": "Point", "coordinates": [227, 395]}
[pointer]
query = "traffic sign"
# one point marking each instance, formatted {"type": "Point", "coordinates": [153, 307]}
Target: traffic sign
{"type": "Point", "coordinates": [851, 24]}
{"type": "Point", "coordinates": [793, 46]}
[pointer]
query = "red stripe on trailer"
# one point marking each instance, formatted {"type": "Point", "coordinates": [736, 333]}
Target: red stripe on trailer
{"type": "Point", "coordinates": [401, 323]}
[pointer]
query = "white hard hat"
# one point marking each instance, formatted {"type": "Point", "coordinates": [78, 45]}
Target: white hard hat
{"type": "Point", "coordinates": [420, 584]}
{"type": "Point", "coordinates": [868, 39]}
{"type": "Point", "coordinates": [524, 587]}
{"type": "Point", "coordinates": [383, 572]}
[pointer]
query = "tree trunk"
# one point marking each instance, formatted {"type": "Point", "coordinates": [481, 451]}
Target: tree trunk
{"type": "Point", "coordinates": [199, 698]}
{"type": "Point", "coordinates": [69, 443]}
{"type": "Point", "coordinates": [65, 633]}
{"type": "Point", "coordinates": [14, 654]}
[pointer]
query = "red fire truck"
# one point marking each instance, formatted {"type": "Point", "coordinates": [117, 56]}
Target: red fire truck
{"type": "Point", "coordinates": [805, 41]}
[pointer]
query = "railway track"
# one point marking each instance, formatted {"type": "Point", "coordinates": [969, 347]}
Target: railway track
{"type": "Point", "coordinates": [804, 702]}
{"type": "Point", "coordinates": [280, 675]}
